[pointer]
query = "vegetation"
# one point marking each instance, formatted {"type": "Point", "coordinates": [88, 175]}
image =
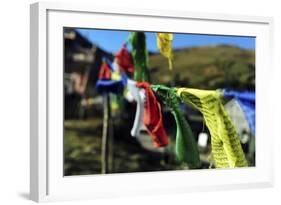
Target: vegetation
{"type": "Point", "coordinates": [209, 67]}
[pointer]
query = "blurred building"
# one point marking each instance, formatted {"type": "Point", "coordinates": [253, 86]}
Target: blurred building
{"type": "Point", "coordinates": [82, 60]}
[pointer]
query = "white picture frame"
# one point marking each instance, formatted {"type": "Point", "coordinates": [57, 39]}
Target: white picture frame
{"type": "Point", "coordinates": [47, 182]}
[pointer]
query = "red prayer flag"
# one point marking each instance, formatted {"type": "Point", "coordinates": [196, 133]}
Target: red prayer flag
{"type": "Point", "coordinates": [105, 72]}
{"type": "Point", "coordinates": [153, 117]}
{"type": "Point", "coordinates": [124, 60]}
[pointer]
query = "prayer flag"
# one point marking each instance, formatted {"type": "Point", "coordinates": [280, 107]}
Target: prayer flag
{"type": "Point", "coordinates": [164, 43]}
{"type": "Point", "coordinates": [226, 148]}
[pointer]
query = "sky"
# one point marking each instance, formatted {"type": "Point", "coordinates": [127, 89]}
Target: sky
{"type": "Point", "coordinates": [112, 40]}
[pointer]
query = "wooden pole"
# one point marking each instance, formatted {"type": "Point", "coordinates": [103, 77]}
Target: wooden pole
{"type": "Point", "coordinates": [110, 145]}
{"type": "Point", "coordinates": [104, 146]}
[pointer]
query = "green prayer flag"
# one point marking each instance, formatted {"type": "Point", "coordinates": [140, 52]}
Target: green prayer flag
{"type": "Point", "coordinates": [186, 147]}
{"type": "Point", "coordinates": [140, 56]}
{"type": "Point", "coordinates": [226, 148]}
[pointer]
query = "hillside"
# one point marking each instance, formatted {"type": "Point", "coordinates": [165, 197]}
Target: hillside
{"type": "Point", "coordinates": [209, 67]}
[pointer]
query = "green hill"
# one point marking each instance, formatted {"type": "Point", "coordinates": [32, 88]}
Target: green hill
{"type": "Point", "coordinates": [208, 67]}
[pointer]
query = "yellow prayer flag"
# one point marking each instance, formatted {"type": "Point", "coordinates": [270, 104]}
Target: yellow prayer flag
{"type": "Point", "coordinates": [115, 75]}
{"type": "Point", "coordinates": [164, 43]}
{"type": "Point", "coordinates": [226, 148]}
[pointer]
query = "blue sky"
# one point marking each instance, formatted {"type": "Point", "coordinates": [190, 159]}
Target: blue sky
{"type": "Point", "coordinates": [112, 40]}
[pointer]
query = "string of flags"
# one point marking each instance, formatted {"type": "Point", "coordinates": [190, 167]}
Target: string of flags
{"type": "Point", "coordinates": [225, 143]}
